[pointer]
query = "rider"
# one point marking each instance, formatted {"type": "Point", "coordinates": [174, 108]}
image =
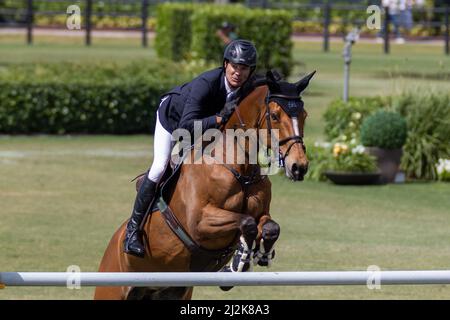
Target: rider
{"type": "Point", "coordinates": [203, 99]}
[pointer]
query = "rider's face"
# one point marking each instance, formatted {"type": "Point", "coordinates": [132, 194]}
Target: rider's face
{"type": "Point", "coordinates": [236, 73]}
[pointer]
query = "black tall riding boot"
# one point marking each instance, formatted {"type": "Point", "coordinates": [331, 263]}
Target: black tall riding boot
{"type": "Point", "coordinates": [133, 243]}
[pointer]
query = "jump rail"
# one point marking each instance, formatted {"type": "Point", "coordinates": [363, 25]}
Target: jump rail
{"type": "Point", "coordinates": [168, 279]}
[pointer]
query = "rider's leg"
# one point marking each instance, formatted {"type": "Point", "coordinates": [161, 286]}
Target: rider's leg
{"type": "Point", "coordinates": [133, 243]}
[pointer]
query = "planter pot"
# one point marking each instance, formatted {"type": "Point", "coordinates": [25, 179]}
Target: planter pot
{"type": "Point", "coordinates": [353, 178]}
{"type": "Point", "coordinates": [388, 162]}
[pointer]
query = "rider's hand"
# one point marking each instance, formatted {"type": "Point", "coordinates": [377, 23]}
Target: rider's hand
{"type": "Point", "coordinates": [227, 111]}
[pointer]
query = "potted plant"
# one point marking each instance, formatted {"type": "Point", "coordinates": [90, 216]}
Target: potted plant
{"type": "Point", "coordinates": [384, 134]}
{"type": "Point", "coordinates": [350, 164]}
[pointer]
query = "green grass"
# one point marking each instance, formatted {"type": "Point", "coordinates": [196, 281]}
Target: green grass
{"type": "Point", "coordinates": [61, 198]}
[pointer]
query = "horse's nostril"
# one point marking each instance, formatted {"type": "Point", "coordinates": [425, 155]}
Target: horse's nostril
{"type": "Point", "coordinates": [299, 170]}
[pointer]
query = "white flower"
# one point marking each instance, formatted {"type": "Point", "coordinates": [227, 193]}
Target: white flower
{"type": "Point", "coordinates": [356, 115]}
{"type": "Point", "coordinates": [359, 149]}
{"type": "Point", "coordinates": [443, 166]}
{"type": "Point", "coordinates": [324, 145]}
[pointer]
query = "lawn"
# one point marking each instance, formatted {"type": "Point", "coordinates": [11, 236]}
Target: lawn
{"type": "Point", "coordinates": [62, 197]}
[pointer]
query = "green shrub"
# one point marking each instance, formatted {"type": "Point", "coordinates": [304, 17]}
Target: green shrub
{"type": "Point", "coordinates": [173, 30]}
{"type": "Point", "coordinates": [188, 31]}
{"type": "Point", "coordinates": [269, 30]}
{"type": "Point", "coordinates": [319, 158]}
{"type": "Point", "coordinates": [343, 120]}
{"type": "Point", "coordinates": [428, 127]}
{"type": "Point", "coordinates": [428, 120]}
{"type": "Point", "coordinates": [384, 129]}
{"type": "Point", "coordinates": [85, 98]}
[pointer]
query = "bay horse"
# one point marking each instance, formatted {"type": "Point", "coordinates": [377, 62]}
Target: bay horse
{"type": "Point", "coordinates": [214, 210]}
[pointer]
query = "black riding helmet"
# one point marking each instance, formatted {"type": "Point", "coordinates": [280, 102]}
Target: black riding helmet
{"type": "Point", "coordinates": [241, 52]}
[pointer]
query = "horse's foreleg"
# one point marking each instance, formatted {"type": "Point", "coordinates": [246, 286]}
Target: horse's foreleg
{"type": "Point", "coordinates": [269, 231]}
{"type": "Point", "coordinates": [216, 223]}
{"type": "Point", "coordinates": [243, 258]}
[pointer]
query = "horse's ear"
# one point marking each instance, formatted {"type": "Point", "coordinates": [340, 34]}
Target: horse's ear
{"type": "Point", "coordinates": [277, 76]}
{"type": "Point", "coordinates": [271, 81]}
{"type": "Point", "coordinates": [303, 83]}
{"type": "Point", "coordinates": [270, 77]}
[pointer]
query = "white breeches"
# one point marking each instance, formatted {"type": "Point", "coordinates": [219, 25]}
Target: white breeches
{"type": "Point", "coordinates": [162, 149]}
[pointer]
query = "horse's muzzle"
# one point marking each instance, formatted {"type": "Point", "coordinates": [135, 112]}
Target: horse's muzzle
{"type": "Point", "coordinates": [298, 172]}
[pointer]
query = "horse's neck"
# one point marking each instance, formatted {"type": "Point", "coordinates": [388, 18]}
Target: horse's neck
{"type": "Point", "coordinates": [237, 154]}
{"type": "Point", "coordinates": [247, 113]}
{"type": "Point", "coordinates": [249, 110]}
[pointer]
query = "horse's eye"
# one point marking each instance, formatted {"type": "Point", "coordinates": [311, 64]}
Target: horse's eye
{"type": "Point", "coordinates": [274, 117]}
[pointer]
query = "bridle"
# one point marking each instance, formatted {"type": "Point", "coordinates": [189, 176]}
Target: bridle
{"type": "Point", "coordinates": [297, 138]}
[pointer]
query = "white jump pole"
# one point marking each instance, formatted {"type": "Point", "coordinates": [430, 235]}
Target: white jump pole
{"type": "Point", "coordinates": [168, 279]}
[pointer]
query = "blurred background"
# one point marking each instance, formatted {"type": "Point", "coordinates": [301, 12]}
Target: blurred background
{"type": "Point", "coordinates": [80, 82]}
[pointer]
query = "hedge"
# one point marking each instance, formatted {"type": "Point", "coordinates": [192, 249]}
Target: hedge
{"type": "Point", "coordinates": [173, 30]}
{"type": "Point", "coordinates": [269, 30]}
{"type": "Point", "coordinates": [189, 31]}
{"type": "Point", "coordinates": [73, 98]}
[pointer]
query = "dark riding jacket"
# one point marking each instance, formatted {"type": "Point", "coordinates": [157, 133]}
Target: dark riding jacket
{"type": "Point", "coordinates": [200, 99]}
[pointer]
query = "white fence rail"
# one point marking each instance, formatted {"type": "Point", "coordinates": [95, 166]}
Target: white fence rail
{"type": "Point", "coordinates": [167, 279]}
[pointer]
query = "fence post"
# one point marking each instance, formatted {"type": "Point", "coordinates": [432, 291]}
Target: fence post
{"type": "Point", "coordinates": [144, 22]}
{"type": "Point", "coordinates": [264, 4]}
{"type": "Point", "coordinates": [326, 26]}
{"type": "Point", "coordinates": [29, 22]}
{"type": "Point", "coordinates": [447, 27]}
{"type": "Point", "coordinates": [88, 21]}
{"type": "Point", "coordinates": [386, 30]}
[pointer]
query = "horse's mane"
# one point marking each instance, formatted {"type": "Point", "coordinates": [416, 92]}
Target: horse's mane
{"type": "Point", "coordinates": [257, 80]}
{"type": "Point", "coordinates": [251, 84]}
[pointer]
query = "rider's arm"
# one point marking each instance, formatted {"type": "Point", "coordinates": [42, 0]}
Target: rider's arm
{"type": "Point", "coordinates": [194, 107]}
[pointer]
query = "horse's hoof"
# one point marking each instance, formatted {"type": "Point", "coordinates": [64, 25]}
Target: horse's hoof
{"type": "Point", "coordinates": [226, 269]}
{"type": "Point", "coordinates": [226, 288]}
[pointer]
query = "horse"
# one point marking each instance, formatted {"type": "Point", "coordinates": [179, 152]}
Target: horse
{"type": "Point", "coordinates": [214, 210]}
